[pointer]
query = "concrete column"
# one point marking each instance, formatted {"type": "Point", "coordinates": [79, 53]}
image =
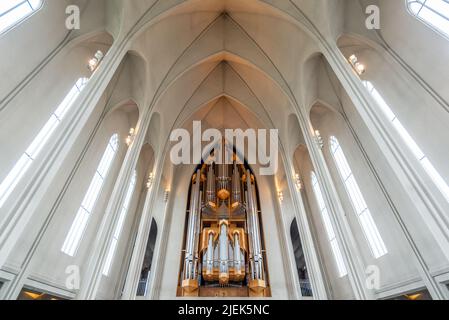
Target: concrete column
{"type": "Point", "coordinates": [432, 209]}
{"type": "Point", "coordinates": [316, 275]}
{"type": "Point", "coordinates": [95, 263]}
{"type": "Point", "coordinates": [143, 232]}
{"type": "Point", "coordinates": [46, 168]}
{"type": "Point", "coordinates": [25, 201]}
{"type": "Point", "coordinates": [350, 252]}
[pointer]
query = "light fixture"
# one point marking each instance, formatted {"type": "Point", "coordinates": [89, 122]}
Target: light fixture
{"type": "Point", "coordinates": [166, 195]}
{"type": "Point", "coordinates": [298, 182]}
{"type": "Point", "coordinates": [281, 196]}
{"type": "Point", "coordinates": [95, 61]}
{"type": "Point", "coordinates": [150, 180]}
{"type": "Point", "coordinates": [131, 136]}
{"type": "Point", "coordinates": [358, 67]}
{"type": "Point", "coordinates": [319, 139]}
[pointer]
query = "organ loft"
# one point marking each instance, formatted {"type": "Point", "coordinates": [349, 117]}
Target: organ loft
{"type": "Point", "coordinates": [223, 245]}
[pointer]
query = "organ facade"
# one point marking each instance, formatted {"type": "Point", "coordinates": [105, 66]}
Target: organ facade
{"type": "Point", "coordinates": [223, 245]}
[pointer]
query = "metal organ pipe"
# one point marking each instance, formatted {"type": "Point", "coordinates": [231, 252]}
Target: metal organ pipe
{"type": "Point", "coordinates": [210, 254]}
{"type": "Point", "coordinates": [224, 250]}
{"type": "Point", "coordinates": [191, 255]}
{"type": "Point", "coordinates": [236, 189]}
{"type": "Point", "coordinates": [223, 211]}
{"type": "Point", "coordinates": [211, 193]}
{"type": "Point", "coordinates": [254, 229]}
{"type": "Point", "coordinates": [237, 253]}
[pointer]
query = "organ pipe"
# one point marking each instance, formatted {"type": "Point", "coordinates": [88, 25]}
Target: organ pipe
{"type": "Point", "coordinates": [224, 248]}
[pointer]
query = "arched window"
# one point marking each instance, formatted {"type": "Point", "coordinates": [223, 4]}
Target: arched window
{"type": "Point", "coordinates": [119, 226]}
{"type": "Point", "coordinates": [13, 12]}
{"type": "Point", "coordinates": [369, 227]}
{"type": "Point", "coordinates": [21, 167]}
{"type": "Point", "coordinates": [79, 225]}
{"type": "Point", "coordinates": [409, 141]}
{"type": "Point", "coordinates": [432, 12]}
{"type": "Point", "coordinates": [329, 228]}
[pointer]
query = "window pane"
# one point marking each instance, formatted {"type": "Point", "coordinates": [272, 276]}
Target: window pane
{"type": "Point", "coordinates": [338, 258]}
{"type": "Point", "coordinates": [92, 193]}
{"type": "Point", "coordinates": [328, 224]}
{"type": "Point", "coordinates": [120, 223]}
{"type": "Point", "coordinates": [13, 11]}
{"type": "Point", "coordinates": [76, 232]}
{"type": "Point", "coordinates": [372, 234]}
{"type": "Point", "coordinates": [13, 178]}
{"type": "Point", "coordinates": [369, 228]}
{"type": "Point", "coordinates": [408, 140]}
{"type": "Point", "coordinates": [329, 228]}
{"type": "Point", "coordinates": [437, 179]}
{"type": "Point", "coordinates": [108, 262]}
{"type": "Point", "coordinates": [432, 12]}
{"type": "Point", "coordinates": [106, 162]}
{"type": "Point", "coordinates": [79, 225]}
{"type": "Point", "coordinates": [39, 142]}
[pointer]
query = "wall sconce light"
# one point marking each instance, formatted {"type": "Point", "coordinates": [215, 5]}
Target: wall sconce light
{"type": "Point", "coordinates": [166, 195]}
{"type": "Point", "coordinates": [298, 182]}
{"type": "Point", "coordinates": [358, 67]}
{"type": "Point", "coordinates": [319, 139]}
{"type": "Point", "coordinates": [150, 180]}
{"type": "Point", "coordinates": [281, 196]}
{"type": "Point", "coordinates": [131, 136]}
{"type": "Point", "coordinates": [95, 61]}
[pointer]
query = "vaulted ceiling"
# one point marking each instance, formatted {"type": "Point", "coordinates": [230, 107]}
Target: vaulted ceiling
{"type": "Point", "coordinates": [229, 63]}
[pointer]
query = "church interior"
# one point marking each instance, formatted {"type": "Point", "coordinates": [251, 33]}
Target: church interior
{"type": "Point", "coordinates": [93, 208]}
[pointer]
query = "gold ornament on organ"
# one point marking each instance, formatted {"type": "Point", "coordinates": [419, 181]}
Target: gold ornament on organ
{"type": "Point", "coordinates": [223, 253]}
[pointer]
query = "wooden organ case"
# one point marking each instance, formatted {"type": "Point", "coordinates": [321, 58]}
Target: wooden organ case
{"type": "Point", "coordinates": [223, 252]}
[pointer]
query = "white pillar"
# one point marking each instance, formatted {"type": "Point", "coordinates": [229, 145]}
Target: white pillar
{"type": "Point", "coordinates": [100, 247]}
{"type": "Point", "coordinates": [143, 233]}
{"type": "Point", "coordinates": [432, 210]}
{"type": "Point", "coordinates": [350, 252]}
{"type": "Point", "coordinates": [316, 274]}
{"type": "Point", "coordinates": [27, 201]}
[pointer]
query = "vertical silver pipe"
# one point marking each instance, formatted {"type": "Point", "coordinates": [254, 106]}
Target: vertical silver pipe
{"type": "Point", "coordinates": [211, 191]}
{"type": "Point", "coordinates": [210, 254]}
{"type": "Point", "coordinates": [236, 187]}
{"type": "Point", "coordinates": [224, 255]}
{"type": "Point", "coordinates": [250, 236]}
{"type": "Point", "coordinates": [237, 253]}
{"type": "Point", "coordinates": [190, 255]}
{"type": "Point", "coordinates": [256, 240]}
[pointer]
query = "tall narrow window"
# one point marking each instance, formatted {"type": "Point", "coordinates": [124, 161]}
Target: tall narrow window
{"type": "Point", "coordinates": [329, 228]}
{"type": "Point", "coordinates": [8, 185]}
{"type": "Point", "coordinates": [79, 225]}
{"type": "Point", "coordinates": [409, 141]}
{"type": "Point", "coordinates": [432, 12]}
{"type": "Point", "coordinates": [366, 220]}
{"type": "Point", "coordinates": [13, 12]}
{"type": "Point", "coordinates": [119, 226]}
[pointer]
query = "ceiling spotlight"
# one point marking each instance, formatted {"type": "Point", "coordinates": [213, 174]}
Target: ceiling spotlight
{"type": "Point", "coordinates": [298, 182]}
{"type": "Point", "coordinates": [166, 195]}
{"type": "Point", "coordinates": [131, 136]}
{"type": "Point", "coordinates": [281, 196]}
{"type": "Point", "coordinates": [150, 180]}
{"type": "Point", "coordinates": [95, 61]}
{"type": "Point", "coordinates": [319, 139]}
{"type": "Point", "coordinates": [358, 67]}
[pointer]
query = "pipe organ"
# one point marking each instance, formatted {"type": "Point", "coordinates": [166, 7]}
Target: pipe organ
{"type": "Point", "coordinates": [224, 251]}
